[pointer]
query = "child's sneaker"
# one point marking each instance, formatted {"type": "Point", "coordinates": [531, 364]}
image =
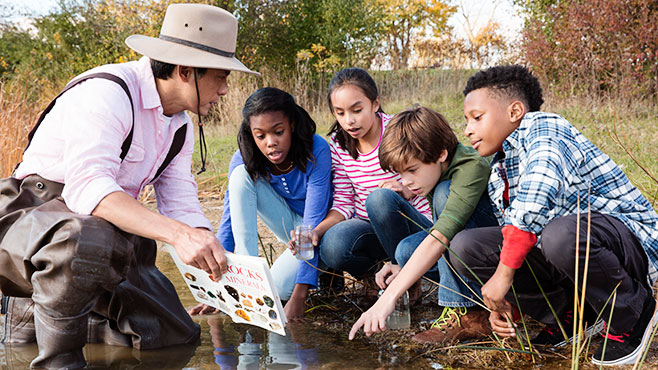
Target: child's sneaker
{"type": "Point", "coordinates": [626, 348]}
{"type": "Point", "coordinates": [455, 324]}
{"type": "Point", "coordinates": [551, 335]}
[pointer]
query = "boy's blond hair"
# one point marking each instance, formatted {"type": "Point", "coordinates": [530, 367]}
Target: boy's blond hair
{"type": "Point", "coordinates": [418, 132]}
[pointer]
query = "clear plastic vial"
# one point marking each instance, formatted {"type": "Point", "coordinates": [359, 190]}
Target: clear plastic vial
{"type": "Point", "coordinates": [304, 242]}
{"type": "Point", "coordinates": [400, 318]}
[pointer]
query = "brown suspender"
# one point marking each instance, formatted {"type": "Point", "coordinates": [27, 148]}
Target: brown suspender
{"type": "Point", "coordinates": [176, 145]}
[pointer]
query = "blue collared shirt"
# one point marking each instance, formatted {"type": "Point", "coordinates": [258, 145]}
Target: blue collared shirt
{"type": "Point", "coordinates": [550, 165]}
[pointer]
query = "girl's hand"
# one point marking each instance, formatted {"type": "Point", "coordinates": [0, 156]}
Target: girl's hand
{"type": "Point", "coordinates": [386, 275]}
{"type": "Point", "coordinates": [295, 309]}
{"type": "Point", "coordinates": [397, 187]}
{"type": "Point", "coordinates": [292, 243]}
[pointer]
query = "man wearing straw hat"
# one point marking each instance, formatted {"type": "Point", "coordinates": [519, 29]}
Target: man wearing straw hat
{"type": "Point", "coordinates": [77, 249]}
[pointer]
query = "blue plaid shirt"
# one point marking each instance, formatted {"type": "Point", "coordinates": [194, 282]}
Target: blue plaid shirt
{"type": "Point", "coordinates": [549, 164]}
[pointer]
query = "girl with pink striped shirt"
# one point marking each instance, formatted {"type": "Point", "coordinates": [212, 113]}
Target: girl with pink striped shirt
{"type": "Point", "coordinates": [349, 242]}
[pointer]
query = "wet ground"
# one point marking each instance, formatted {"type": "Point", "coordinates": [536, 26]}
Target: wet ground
{"type": "Point", "coordinates": [320, 342]}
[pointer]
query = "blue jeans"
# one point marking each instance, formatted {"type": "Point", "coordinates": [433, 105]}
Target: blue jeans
{"type": "Point", "coordinates": [248, 199]}
{"type": "Point", "coordinates": [482, 216]}
{"type": "Point", "coordinates": [352, 246]}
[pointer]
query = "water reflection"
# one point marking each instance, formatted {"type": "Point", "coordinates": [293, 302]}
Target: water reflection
{"type": "Point", "coordinates": [101, 356]}
{"type": "Point", "coordinates": [257, 348]}
{"type": "Point", "coordinates": [223, 345]}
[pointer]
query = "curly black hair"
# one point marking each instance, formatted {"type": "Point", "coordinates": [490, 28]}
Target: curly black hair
{"type": "Point", "coordinates": [512, 81]}
{"type": "Point", "coordinates": [271, 99]}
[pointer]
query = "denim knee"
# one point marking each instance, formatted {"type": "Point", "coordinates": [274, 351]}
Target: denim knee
{"type": "Point", "coordinates": [332, 250]}
{"type": "Point", "coordinates": [238, 179]}
{"type": "Point", "coordinates": [379, 201]}
{"type": "Point", "coordinates": [407, 247]}
{"type": "Point", "coordinates": [440, 197]}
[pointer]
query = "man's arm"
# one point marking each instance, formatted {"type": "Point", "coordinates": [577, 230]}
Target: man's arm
{"type": "Point", "coordinates": [197, 247]}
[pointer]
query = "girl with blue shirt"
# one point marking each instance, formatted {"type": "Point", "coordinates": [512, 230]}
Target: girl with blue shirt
{"type": "Point", "coordinates": [282, 173]}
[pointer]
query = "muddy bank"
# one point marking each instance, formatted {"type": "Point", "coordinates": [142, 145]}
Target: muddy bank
{"type": "Point", "coordinates": [335, 312]}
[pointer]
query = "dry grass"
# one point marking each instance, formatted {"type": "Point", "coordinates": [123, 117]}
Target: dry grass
{"type": "Point", "coordinates": [17, 116]}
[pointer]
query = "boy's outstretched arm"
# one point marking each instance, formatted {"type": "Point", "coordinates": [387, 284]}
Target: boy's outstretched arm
{"type": "Point", "coordinates": [425, 256]}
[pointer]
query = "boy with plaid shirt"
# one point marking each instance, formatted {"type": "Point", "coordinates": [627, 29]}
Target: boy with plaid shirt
{"type": "Point", "coordinates": [542, 169]}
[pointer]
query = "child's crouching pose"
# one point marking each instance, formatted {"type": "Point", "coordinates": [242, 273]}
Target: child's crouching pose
{"type": "Point", "coordinates": [543, 169]}
{"type": "Point", "coordinates": [349, 242]}
{"type": "Point", "coordinates": [281, 174]}
{"type": "Point", "coordinates": [422, 147]}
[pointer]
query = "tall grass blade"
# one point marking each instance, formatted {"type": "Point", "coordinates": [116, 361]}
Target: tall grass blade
{"type": "Point", "coordinates": [268, 259]}
{"type": "Point", "coordinates": [607, 329]}
{"type": "Point", "coordinates": [580, 318]}
{"type": "Point", "coordinates": [574, 360]}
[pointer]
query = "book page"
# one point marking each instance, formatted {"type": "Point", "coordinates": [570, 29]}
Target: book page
{"type": "Point", "coordinates": [246, 292]}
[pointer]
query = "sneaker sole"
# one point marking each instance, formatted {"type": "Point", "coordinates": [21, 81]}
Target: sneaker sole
{"type": "Point", "coordinates": [633, 356]}
{"type": "Point", "coordinates": [591, 330]}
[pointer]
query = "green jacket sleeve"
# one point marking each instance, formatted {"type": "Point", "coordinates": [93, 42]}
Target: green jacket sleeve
{"type": "Point", "coordinates": [468, 174]}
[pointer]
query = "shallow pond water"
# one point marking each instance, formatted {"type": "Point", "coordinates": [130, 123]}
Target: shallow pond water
{"type": "Point", "coordinates": [314, 344]}
{"type": "Point", "coordinates": [226, 345]}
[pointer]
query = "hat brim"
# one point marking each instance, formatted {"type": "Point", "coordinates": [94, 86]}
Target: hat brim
{"type": "Point", "coordinates": [178, 54]}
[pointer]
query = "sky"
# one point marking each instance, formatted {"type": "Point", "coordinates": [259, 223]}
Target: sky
{"type": "Point", "coordinates": [479, 13]}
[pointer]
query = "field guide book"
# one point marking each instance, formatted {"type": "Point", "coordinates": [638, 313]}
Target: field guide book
{"type": "Point", "coordinates": [245, 292]}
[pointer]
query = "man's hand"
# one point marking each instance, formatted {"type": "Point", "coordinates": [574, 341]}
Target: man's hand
{"type": "Point", "coordinates": [202, 309]}
{"type": "Point", "coordinates": [494, 290]}
{"type": "Point", "coordinates": [374, 320]}
{"type": "Point", "coordinates": [397, 187]}
{"type": "Point", "coordinates": [387, 274]}
{"type": "Point", "coordinates": [200, 248]}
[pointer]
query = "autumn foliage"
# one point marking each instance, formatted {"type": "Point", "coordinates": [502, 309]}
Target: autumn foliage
{"type": "Point", "coordinates": [596, 47]}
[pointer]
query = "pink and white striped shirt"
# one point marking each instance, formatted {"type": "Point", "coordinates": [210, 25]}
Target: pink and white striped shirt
{"type": "Point", "coordinates": [79, 144]}
{"type": "Point", "coordinates": [355, 179]}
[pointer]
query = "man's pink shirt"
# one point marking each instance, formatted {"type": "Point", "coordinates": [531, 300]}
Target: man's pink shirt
{"type": "Point", "coordinates": [79, 144]}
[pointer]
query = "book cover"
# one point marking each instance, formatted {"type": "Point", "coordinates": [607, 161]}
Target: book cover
{"type": "Point", "coordinates": [245, 292]}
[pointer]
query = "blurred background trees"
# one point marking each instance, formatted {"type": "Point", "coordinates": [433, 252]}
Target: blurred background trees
{"type": "Point", "coordinates": [578, 46]}
{"type": "Point", "coordinates": [586, 52]}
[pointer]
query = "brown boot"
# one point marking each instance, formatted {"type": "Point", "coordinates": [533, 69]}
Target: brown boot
{"type": "Point", "coordinates": [456, 324]}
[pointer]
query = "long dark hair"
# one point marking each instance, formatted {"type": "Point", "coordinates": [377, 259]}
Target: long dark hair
{"type": "Point", "coordinates": [270, 99]}
{"type": "Point", "coordinates": [361, 79]}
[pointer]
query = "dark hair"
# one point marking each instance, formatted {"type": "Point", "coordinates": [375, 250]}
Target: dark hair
{"type": "Point", "coordinates": [512, 81]}
{"type": "Point", "coordinates": [416, 133]}
{"type": "Point", "coordinates": [164, 70]}
{"type": "Point", "coordinates": [361, 79]}
{"type": "Point", "coordinates": [270, 99]}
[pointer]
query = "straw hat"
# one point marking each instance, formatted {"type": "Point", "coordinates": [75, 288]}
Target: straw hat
{"type": "Point", "coordinates": [194, 35]}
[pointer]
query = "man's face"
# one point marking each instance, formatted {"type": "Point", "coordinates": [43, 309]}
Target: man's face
{"type": "Point", "coordinates": [212, 85]}
{"type": "Point", "coordinates": [487, 121]}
